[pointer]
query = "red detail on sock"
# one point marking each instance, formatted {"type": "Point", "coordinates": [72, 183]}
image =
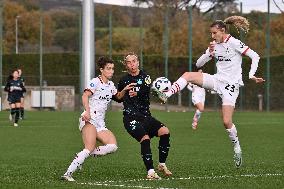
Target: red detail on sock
{"type": "Point", "coordinates": [177, 86]}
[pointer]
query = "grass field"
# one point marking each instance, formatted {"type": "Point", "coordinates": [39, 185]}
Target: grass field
{"type": "Point", "coordinates": [38, 152]}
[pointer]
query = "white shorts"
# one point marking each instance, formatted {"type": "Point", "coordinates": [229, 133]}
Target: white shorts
{"type": "Point", "coordinates": [97, 122]}
{"type": "Point", "coordinates": [227, 91]}
{"type": "Point", "coordinates": [198, 98]}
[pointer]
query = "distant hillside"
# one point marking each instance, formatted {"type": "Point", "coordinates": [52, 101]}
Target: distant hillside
{"type": "Point", "coordinates": [51, 4]}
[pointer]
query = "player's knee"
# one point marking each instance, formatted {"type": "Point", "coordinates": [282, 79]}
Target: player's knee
{"type": "Point", "coordinates": [163, 131]}
{"type": "Point", "coordinates": [201, 109]}
{"type": "Point", "coordinates": [227, 123]}
{"type": "Point", "coordinates": [145, 137]}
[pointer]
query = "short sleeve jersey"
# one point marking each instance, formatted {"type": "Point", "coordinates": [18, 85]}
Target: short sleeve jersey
{"type": "Point", "coordinates": [101, 94]}
{"type": "Point", "coordinates": [137, 105]}
{"type": "Point", "coordinates": [229, 60]}
{"type": "Point", "coordinates": [16, 86]}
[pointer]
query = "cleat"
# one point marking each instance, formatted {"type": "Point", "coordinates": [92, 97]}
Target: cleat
{"type": "Point", "coordinates": [194, 123]}
{"type": "Point", "coordinates": [16, 125]}
{"type": "Point", "coordinates": [67, 178]}
{"type": "Point", "coordinates": [153, 176]}
{"type": "Point", "coordinates": [164, 170]}
{"type": "Point", "coordinates": [162, 96]}
{"type": "Point", "coordinates": [238, 159]}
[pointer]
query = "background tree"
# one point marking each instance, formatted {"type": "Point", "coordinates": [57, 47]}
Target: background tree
{"type": "Point", "coordinates": [28, 28]}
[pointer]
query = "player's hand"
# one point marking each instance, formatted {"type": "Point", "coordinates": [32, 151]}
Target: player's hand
{"type": "Point", "coordinates": [86, 116]}
{"type": "Point", "coordinates": [132, 93]}
{"type": "Point", "coordinates": [211, 47]}
{"type": "Point", "coordinates": [129, 86]}
{"type": "Point", "coordinates": [258, 79]}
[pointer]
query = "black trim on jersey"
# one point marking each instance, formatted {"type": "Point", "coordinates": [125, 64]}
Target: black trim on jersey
{"type": "Point", "coordinates": [88, 90]}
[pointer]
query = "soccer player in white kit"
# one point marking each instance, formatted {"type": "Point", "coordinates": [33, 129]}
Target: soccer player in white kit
{"type": "Point", "coordinates": [96, 97]}
{"type": "Point", "coordinates": [198, 100]}
{"type": "Point", "coordinates": [226, 82]}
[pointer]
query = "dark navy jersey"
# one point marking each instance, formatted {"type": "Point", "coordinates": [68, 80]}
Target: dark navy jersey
{"type": "Point", "coordinates": [16, 86]}
{"type": "Point", "coordinates": [137, 105]}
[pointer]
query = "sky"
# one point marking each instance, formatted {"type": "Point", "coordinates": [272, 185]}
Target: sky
{"type": "Point", "coordinates": [248, 5]}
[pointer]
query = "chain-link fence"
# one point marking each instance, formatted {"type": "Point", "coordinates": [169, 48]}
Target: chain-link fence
{"type": "Point", "coordinates": [161, 36]}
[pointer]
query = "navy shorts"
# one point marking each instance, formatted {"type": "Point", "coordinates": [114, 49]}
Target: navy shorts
{"type": "Point", "coordinates": [139, 127]}
{"type": "Point", "coordinates": [14, 99]}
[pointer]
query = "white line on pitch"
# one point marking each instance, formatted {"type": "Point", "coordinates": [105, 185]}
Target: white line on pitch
{"type": "Point", "coordinates": [115, 185]}
{"type": "Point", "coordinates": [200, 177]}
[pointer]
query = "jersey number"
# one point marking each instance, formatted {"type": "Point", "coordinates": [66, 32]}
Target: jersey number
{"type": "Point", "coordinates": [230, 88]}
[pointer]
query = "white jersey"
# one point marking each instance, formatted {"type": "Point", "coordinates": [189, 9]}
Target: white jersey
{"type": "Point", "coordinates": [101, 95]}
{"type": "Point", "coordinates": [229, 60]}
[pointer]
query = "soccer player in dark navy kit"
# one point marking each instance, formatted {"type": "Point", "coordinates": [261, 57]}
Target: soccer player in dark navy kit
{"type": "Point", "coordinates": [22, 108]}
{"type": "Point", "coordinates": [137, 117]}
{"type": "Point", "coordinates": [15, 88]}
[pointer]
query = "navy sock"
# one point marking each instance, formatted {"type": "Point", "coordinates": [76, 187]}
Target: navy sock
{"type": "Point", "coordinates": [147, 154]}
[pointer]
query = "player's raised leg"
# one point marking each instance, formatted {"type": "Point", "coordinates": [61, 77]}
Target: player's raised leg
{"type": "Point", "coordinates": [180, 84]}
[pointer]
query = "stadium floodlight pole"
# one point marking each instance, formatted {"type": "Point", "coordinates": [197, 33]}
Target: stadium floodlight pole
{"type": "Point", "coordinates": [189, 48]}
{"type": "Point", "coordinates": [88, 43]}
{"type": "Point", "coordinates": [141, 37]}
{"type": "Point", "coordinates": [16, 33]}
{"type": "Point", "coordinates": [1, 47]}
{"type": "Point", "coordinates": [40, 61]}
{"type": "Point", "coordinates": [110, 33]}
{"type": "Point", "coordinates": [268, 58]}
{"type": "Point", "coordinates": [166, 44]}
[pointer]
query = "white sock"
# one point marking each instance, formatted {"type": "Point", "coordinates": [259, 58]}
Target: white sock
{"type": "Point", "coordinates": [162, 164]}
{"type": "Point", "coordinates": [104, 150]}
{"type": "Point", "coordinates": [77, 162]}
{"type": "Point", "coordinates": [198, 114]}
{"type": "Point", "coordinates": [177, 86]}
{"type": "Point", "coordinates": [233, 135]}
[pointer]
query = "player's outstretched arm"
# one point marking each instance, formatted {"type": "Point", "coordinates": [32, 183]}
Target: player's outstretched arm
{"type": "Point", "coordinates": [257, 79]}
{"type": "Point", "coordinates": [121, 94]}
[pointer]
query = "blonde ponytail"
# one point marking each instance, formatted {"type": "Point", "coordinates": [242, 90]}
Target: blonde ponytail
{"type": "Point", "coordinates": [239, 22]}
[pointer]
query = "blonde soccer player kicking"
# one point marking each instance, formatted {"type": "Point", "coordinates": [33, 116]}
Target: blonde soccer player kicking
{"type": "Point", "coordinates": [228, 52]}
{"type": "Point", "coordinates": [198, 100]}
{"type": "Point", "coordinates": [96, 97]}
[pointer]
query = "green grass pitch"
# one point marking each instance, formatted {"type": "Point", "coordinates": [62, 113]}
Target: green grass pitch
{"type": "Point", "coordinates": [37, 153]}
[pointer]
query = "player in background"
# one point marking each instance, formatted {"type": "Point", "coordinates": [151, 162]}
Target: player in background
{"type": "Point", "coordinates": [96, 97]}
{"type": "Point", "coordinates": [22, 108]}
{"type": "Point", "coordinates": [198, 100]}
{"type": "Point", "coordinates": [228, 52]}
{"type": "Point", "coordinates": [137, 117]}
{"type": "Point", "coordinates": [15, 88]}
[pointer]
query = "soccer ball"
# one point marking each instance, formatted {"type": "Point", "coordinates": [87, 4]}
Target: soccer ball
{"type": "Point", "coordinates": [162, 84]}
